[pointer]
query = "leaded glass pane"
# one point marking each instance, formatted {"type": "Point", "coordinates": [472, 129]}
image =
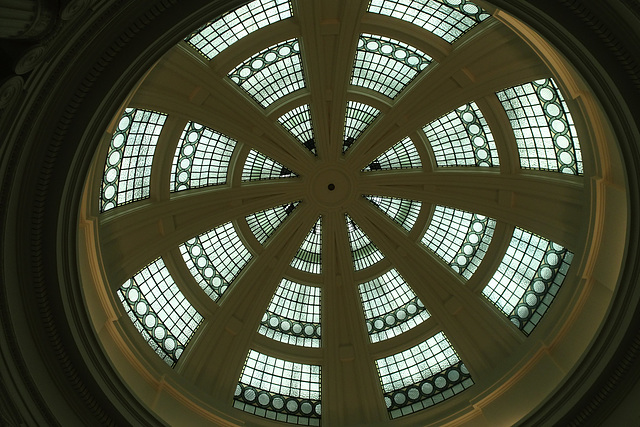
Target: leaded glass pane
{"type": "Point", "coordinates": [202, 158]}
{"type": "Point", "coordinates": [258, 166]}
{"type": "Point", "coordinates": [460, 238]}
{"type": "Point", "coordinates": [462, 138]}
{"type": "Point", "coordinates": [357, 117]}
{"type": "Point", "coordinates": [298, 123]}
{"type": "Point", "coordinates": [390, 306]}
{"type": "Point", "coordinates": [364, 252]}
{"type": "Point", "coordinates": [215, 258]}
{"type": "Point", "coordinates": [386, 65]}
{"type": "Point", "coordinates": [447, 19]}
{"type": "Point", "coordinates": [543, 127]}
{"type": "Point", "coordinates": [404, 212]}
{"type": "Point", "coordinates": [264, 223]}
{"type": "Point", "coordinates": [528, 278]}
{"type": "Point", "coordinates": [422, 376]}
{"type": "Point", "coordinates": [402, 155]}
{"type": "Point", "coordinates": [157, 308]}
{"type": "Point", "coordinates": [127, 169]}
{"type": "Point", "coordinates": [272, 73]}
{"type": "Point", "coordinates": [309, 255]}
{"type": "Point", "coordinates": [218, 35]}
{"type": "Point", "coordinates": [279, 389]}
{"type": "Point", "coordinates": [293, 316]}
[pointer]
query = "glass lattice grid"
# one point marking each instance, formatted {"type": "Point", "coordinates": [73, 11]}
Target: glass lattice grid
{"type": "Point", "coordinates": [298, 123]}
{"type": "Point", "coordinates": [363, 251]}
{"type": "Point", "coordinates": [202, 158]}
{"type": "Point", "coordinates": [258, 167]}
{"type": "Point", "coordinates": [460, 238]}
{"type": "Point", "coordinates": [543, 127]}
{"type": "Point", "coordinates": [358, 117]}
{"type": "Point", "coordinates": [462, 138]}
{"type": "Point", "coordinates": [422, 376]}
{"type": "Point", "coordinates": [264, 223]}
{"type": "Point", "coordinates": [309, 255]}
{"type": "Point", "coordinates": [447, 19]}
{"type": "Point", "coordinates": [279, 389]}
{"type": "Point", "coordinates": [403, 211]}
{"type": "Point", "coordinates": [293, 316]}
{"type": "Point", "coordinates": [272, 73]}
{"type": "Point", "coordinates": [390, 306]}
{"type": "Point", "coordinates": [528, 278]}
{"type": "Point", "coordinates": [215, 259]}
{"type": "Point", "coordinates": [403, 155]}
{"type": "Point", "coordinates": [159, 311]}
{"type": "Point", "coordinates": [216, 36]}
{"type": "Point", "coordinates": [386, 65]}
{"type": "Point", "coordinates": [127, 169]}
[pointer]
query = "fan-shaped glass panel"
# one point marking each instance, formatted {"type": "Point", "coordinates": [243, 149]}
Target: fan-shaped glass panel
{"type": "Point", "coordinates": [264, 223]}
{"type": "Point", "coordinates": [309, 255]}
{"type": "Point", "coordinates": [402, 155]}
{"type": "Point", "coordinates": [298, 123]}
{"type": "Point", "coordinates": [363, 251]}
{"type": "Point", "coordinates": [403, 211]}
{"type": "Point", "coordinates": [358, 117]}
{"type": "Point", "coordinates": [258, 167]}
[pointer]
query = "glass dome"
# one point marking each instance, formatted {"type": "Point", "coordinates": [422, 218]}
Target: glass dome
{"type": "Point", "coordinates": [349, 213]}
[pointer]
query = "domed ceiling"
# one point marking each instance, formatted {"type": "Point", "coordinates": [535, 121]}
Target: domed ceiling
{"type": "Point", "coordinates": [346, 212]}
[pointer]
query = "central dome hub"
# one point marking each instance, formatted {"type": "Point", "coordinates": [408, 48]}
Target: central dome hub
{"type": "Point", "coordinates": [330, 187]}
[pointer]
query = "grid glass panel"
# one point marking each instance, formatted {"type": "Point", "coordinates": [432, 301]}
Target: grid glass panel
{"type": "Point", "coordinates": [293, 316]}
{"type": "Point", "coordinates": [279, 389]}
{"type": "Point", "coordinates": [403, 211]}
{"type": "Point", "coordinates": [202, 158]}
{"type": "Point", "coordinates": [390, 306]}
{"type": "Point", "coordinates": [215, 259]}
{"type": "Point", "coordinates": [460, 238]}
{"type": "Point", "coordinates": [386, 65]}
{"type": "Point", "coordinates": [258, 166]}
{"type": "Point", "coordinates": [447, 19]}
{"type": "Point", "coordinates": [364, 252]}
{"type": "Point", "coordinates": [422, 376]}
{"type": "Point", "coordinates": [357, 117]}
{"type": "Point", "coordinates": [298, 123]}
{"type": "Point", "coordinates": [272, 73]}
{"type": "Point", "coordinates": [543, 127]}
{"type": "Point", "coordinates": [159, 311]}
{"type": "Point", "coordinates": [218, 35]}
{"type": "Point", "coordinates": [264, 223]}
{"type": "Point", "coordinates": [528, 278]}
{"type": "Point", "coordinates": [403, 155]}
{"type": "Point", "coordinates": [462, 138]}
{"type": "Point", "coordinates": [309, 255]}
{"type": "Point", "coordinates": [127, 169]}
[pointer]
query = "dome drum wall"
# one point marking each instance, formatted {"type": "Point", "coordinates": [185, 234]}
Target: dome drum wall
{"type": "Point", "coordinates": [124, 380]}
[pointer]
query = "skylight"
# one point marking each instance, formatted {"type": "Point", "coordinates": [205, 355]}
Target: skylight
{"type": "Point", "coordinates": [404, 212]}
{"type": "Point", "coordinates": [390, 306]}
{"type": "Point", "coordinates": [386, 65]}
{"type": "Point", "coordinates": [448, 19]}
{"type": "Point", "coordinates": [159, 311]}
{"type": "Point", "coordinates": [528, 278]}
{"type": "Point", "coordinates": [202, 158]}
{"type": "Point", "coordinates": [460, 238]}
{"type": "Point", "coordinates": [218, 35]}
{"type": "Point", "coordinates": [422, 376]}
{"type": "Point", "coordinates": [309, 255]}
{"type": "Point", "coordinates": [264, 223]}
{"type": "Point", "coordinates": [215, 259]}
{"type": "Point", "coordinates": [298, 123]}
{"type": "Point", "coordinates": [364, 252]}
{"type": "Point", "coordinates": [272, 73]}
{"type": "Point", "coordinates": [293, 316]}
{"type": "Point", "coordinates": [403, 155]}
{"type": "Point", "coordinates": [358, 117]}
{"type": "Point", "coordinates": [258, 167]}
{"type": "Point", "coordinates": [462, 138]}
{"type": "Point", "coordinates": [127, 170]}
{"type": "Point", "coordinates": [543, 127]}
{"type": "Point", "coordinates": [279, 389]}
